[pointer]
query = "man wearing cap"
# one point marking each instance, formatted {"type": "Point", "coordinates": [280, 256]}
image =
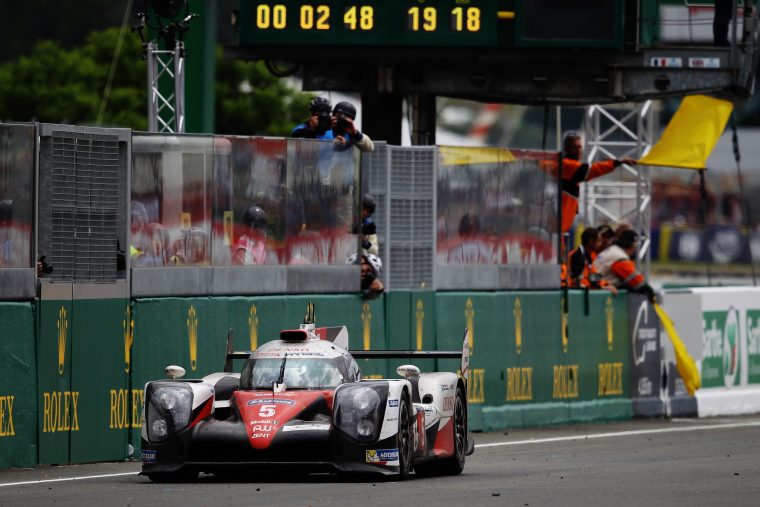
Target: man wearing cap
{"type": "Point", "coordinates": [616, 265]}
{"type": "Point", "coordinates": [345, 132]}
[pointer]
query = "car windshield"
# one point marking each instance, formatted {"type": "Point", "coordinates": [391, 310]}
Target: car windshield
{"type": "Point", "coordinates": [304, 373]}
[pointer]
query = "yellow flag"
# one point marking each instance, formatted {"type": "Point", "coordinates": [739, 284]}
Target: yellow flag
{"type": "Point", "coordinates": [684, 362]}
{"type": "Point", "coordinates": [691, 134]}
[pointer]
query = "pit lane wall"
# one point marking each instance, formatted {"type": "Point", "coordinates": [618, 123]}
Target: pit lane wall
{"type": "Point", "coordinates": [18, 385]}
{"type": "Point", "coordinates": [525, 371]}
{"type": "Point", "coordinates": [79, 366]}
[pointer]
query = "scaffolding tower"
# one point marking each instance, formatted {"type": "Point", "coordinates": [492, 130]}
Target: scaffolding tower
{"type": "Point", "coordinates": [166, 88]}
{"type": "Point", "coordinates": [623, 196]}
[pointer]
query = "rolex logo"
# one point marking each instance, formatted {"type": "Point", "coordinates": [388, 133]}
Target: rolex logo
{"type": "Point", "coordinates": [610, 311]}
{"type": "Point", "coordinates": [420, 319]}
{"type": "Point", "coordinates": [565, 333]}
{"type": "Point", "coordinates": [366, 325]}
{"type": "Point", "coordinates": [63, 325]}
{"type": "Point", "coordinates": [192, 331]}
{"type": "Point", "coordinates": [253, 327]}
{"type": "Point", "coordinates": [128, 325]}
{"type": "Point", "coordinates": [517, 312]}
{"type": "Point", "coordinates": [469, 315]}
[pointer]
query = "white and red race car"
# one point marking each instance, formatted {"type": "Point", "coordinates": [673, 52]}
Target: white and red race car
{"type": "Point", "coordinates": [300, 402]}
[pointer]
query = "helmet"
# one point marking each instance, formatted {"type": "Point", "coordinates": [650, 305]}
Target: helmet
{"type": "Point", "coordinates": [369, 202]}
{"type": "Point", "coordinates": [320, 105]}
{"type": "Point", "coordinates": [255, 218]}
{"type": "Point", "coordinates": [375, 262]}
{"type": "Point", "coordinates": [345, 108]}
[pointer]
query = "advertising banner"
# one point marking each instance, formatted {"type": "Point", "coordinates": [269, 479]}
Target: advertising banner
{"type": "Point", "coordinates": [646, 358]}
{"type": "Point", "coordinates": [18, 386]}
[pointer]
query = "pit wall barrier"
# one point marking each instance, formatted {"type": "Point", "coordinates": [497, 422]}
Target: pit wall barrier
{"type": "Point", "coordinates": [721, 330]}
{"type": "Point", "coordinates": [94, 357]}
{"type": "Point", "coordinates": [18, 386]}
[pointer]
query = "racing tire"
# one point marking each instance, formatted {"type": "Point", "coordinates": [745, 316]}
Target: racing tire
{"type": "Point", "coordinates": [404, 437]}
{"type": "Point", "coordinates": [187, 475]}
{"type": "Point", "coordinates": [455, 464]}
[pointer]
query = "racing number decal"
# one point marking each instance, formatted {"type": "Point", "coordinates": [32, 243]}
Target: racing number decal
{"type": "Point", "coordinates": [267, 410]}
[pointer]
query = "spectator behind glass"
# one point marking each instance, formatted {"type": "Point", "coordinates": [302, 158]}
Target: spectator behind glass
{"type": "Point", "coordinates": [320, 122]}
{"type": "Point", "coordinates": [251, 248]}
{"type": "Point", "coordinates": [470, 250]}
{"type": "Point", "coordinates": [139, 240]}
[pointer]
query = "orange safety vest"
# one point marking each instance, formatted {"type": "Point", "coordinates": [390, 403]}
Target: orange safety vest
{"type": "Point", "coordinates": [584, 280]}
{"type": "Point", "coordinates": [575, 172]}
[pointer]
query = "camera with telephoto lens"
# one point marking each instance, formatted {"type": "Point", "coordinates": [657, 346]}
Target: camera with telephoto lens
{"type": "Point", "coordinates": [324, 122]}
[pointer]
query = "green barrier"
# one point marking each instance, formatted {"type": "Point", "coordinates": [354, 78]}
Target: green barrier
{"type": "Point", "coordinates": [18, 386]}
{"type": "Point", "coordinates": [58, 405]}
{"type": "Point", "coordinates": [525, 372]}
{"type": "Point", "coordinates": [101, 405]}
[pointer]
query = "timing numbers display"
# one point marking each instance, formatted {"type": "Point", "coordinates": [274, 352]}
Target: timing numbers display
{"type": "Point", "coordinates": [461, 19]}
{"type": "Point", "coordinates": [314, 17]}
{"type": "Point", "coordinates": [430, 23]}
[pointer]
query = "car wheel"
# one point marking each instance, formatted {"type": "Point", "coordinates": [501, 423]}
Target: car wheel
{"type": "Point", "coordinates": [404, 437]}
{"type": "Point", "coordinates": [455, 464]}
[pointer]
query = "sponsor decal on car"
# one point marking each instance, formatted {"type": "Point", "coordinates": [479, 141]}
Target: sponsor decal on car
{"type": "Point", "coordinates": [271, 401]}
{"type": "Point", "coordinates": [149, 456]}
{"type": "Point", "coordinates": [382, 456]}
{"type": "Point", "coordinates": [307, 427]}
{"type": "Point", "coordinates": [265, 421]}
{"type": "Point", "coordinates": [393, 403]}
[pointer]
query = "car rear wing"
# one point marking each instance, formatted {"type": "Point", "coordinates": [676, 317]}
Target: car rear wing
{"type": "Point", "coordinates": [403, 354]}
{"type": "Point", "coordinates": [463, 355]}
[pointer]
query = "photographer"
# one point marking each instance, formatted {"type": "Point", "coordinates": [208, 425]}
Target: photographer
{"type": "Point", "coordinates": [320, 123]}
{"type": "Point", "coordinates": [345, 132]}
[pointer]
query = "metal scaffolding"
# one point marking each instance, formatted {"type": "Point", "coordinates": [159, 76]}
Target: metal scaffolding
{"type": "Point", "coordinates": [166, 71]}
{"type": "Point", "coordinates": [624, 196]}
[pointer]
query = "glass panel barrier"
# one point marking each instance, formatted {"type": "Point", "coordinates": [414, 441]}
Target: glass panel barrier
{"type": "Point", "coordinates": [320, 203]}
{"type": "Point", "coordinates": [249, 201]}
{"type": "Point", "coordinates": [171, 200]}
{"type": "Point", "coordinates": [495, 206]}
{"type": "Point", "coordinates": [16, 195]}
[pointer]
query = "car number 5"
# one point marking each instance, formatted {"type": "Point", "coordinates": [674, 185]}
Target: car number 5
{"type": "Point", "coordinates": [266, 410]}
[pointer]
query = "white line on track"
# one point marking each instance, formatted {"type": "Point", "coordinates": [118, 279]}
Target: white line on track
{"type": "Point", "coordinates": [45, 481]}
{"type": "Point", "coordinates": [620, 434]}
{"type": "Point", "coordinates": [478, 446]}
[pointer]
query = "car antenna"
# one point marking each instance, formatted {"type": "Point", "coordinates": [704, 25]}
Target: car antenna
{"type": "Point", "coordinates": [277, 383]}
{"type": "Point", "coordinates": [309, 318]}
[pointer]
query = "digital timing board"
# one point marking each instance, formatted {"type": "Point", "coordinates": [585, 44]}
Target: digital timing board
{"type": "Point", "coordinates": [447, 23]}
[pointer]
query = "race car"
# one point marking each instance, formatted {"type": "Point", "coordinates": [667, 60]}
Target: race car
{"type": "Point", "coordinates": [300, 403]}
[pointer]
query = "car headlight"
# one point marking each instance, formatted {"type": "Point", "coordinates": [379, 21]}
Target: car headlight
{"type": "Point", "coordinates": [168, 411]}
{"type": "Point", "coordinates": [359, 410]}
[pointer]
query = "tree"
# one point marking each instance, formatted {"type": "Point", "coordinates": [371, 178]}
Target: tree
{"type": "Point", "coordinates": [57, 85]}
{"type": "Point", "coordinates": [250, 101]}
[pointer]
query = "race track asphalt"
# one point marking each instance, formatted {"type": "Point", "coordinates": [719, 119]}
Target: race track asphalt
{"type": "Point", "coordinates": [687, 462]}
